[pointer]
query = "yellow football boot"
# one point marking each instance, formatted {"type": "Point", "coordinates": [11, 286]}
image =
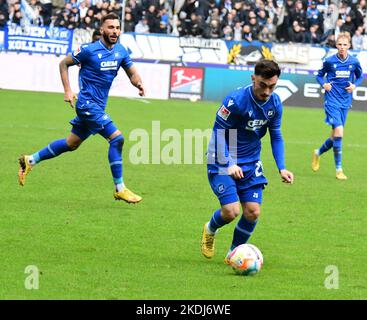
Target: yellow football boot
{"type": "Point", "coordinates": [340, 175]}
{"type": "Point", "coordinates": [127, 196]}
{"type": "Point", "coordinates": [315, 161]}
{"type": "Point", "coordinates": [24, 169]}
{"type": "Point", "coordinates": [207, 243]}
{"type": "Point", "coordinates": [226, 259]}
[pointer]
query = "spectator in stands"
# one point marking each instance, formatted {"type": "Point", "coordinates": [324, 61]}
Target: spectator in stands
{"type": "Point", "coordinates": [215, 31]}
{"type": "Point", "coordinates": [296, 34]}
{"type": "Point", "coordinates": [314, 16]}
{"type": "Point", "coordinates": [153, 19]}
{"type": "Point", "coordinates": [360, 13]}
{"type": "Point", "coordinates": [254, 26]}
{"type": "Point", "coordinates": [228, 33]}
{"type": "Point", "coordinates": [129, 24]}
{"type": "Point", "coordinates": [298, 13]}
{"type": "Point", "coordinates": [313, 36]}
{"type": "Point", "coordinates": [142, 26]}
{"type": "Point", "coordinates": [348, 25]}
{"type": "Point", "coordinates": [357, 39]}
{"type": "Point", "coordinates": [237, 31]}
{"type": "Point", "coordinates": [265, 35]}
{"type": "Point", "coordinates": [247, 35]}
{"type": "Point", "coordinates": [3, 19]}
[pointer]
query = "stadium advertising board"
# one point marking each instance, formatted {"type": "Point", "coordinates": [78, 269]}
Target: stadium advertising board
{"type": "Point", "coordinates": [186, 83]}
{"type": "Point", "coordinates": [295, 87]}
{"type": "Point", "coordinates": [57, 41]}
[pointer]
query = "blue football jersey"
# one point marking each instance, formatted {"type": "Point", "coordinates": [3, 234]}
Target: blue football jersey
{"type": "Point", "coordinates": [99, 66]}
{"type": "Point", "coordinates": [339, 73]}
{"type": "Point", "coordinates": [251, 118]}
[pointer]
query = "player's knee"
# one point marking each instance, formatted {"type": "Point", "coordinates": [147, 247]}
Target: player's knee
{"type": "Point", "coordinates": [73, 145]}
{"type": "Point", "coordinates": [230, 213]}
{"type": "Point", "coordinates": [252, 213]}
{"type": "Point", "coordinates": [118, 141]}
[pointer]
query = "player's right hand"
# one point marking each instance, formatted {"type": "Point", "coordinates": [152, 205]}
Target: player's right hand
{"type": "Point", "coordinates": [235, 172]}
{"type": "Point", "coordinates": [327, 86]}
{"type": "Point", "coordinates": [70, 97]}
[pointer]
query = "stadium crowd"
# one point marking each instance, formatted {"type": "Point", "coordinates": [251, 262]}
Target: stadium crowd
{"type": "Point", "coordinates": [299, 21]}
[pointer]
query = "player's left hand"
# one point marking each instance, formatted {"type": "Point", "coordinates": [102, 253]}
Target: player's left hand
{"type": "Point", "coordinates": [287, 176]}
{"type": "Point", "coordinates": [350, 88]}
{"type": "Point", "coordinates": [141, 90]}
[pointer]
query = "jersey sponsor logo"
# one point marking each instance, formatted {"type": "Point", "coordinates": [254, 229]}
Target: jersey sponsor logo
{"type": "Point", "coordinates": [224, 113]}
{"type": "Point", "coordinates": [342, 73]}
{"type": "Point", "coordinates": [109, 65]}
{"type": "Point", "coordinates": [253, 125]}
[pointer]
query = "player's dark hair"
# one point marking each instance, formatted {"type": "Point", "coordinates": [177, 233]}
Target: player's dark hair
{"type": "Point", "coordinates": [267, 69]}
{"type": "Point", "coordinates": [109, 16]}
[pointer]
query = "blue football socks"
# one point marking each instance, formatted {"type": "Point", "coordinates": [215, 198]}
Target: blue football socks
{"type": "Point", "coordinates": [54, 149]}
{"type": "Point", "coordinates": [242, 231]}
{"type": "Point", "coordinates": [337, 147]}
{"type": "Point", "coordinates": [115, 159]}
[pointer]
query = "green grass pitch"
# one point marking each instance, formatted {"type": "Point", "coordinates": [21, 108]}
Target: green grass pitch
{"type": "Point", "coordinates": [88, 246]}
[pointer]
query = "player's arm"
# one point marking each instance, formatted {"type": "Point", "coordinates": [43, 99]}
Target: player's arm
{"type": "Point", "coordinates": [358, 73]}
{"type": "Point", "coordinates": [64, 66]}
{"type": "Point", "coordinates": [224, 126]}
{"type": "Point", "coordinates": [135, 79]}
{"type": "Point", "coordinates": [321, 77]}
{"type": "Point", "coordinates": [277, 146]}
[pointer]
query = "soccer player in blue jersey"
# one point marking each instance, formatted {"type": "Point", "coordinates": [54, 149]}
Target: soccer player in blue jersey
{"type": "Point", "coordinates": [235, 171]}
{"type": "Point", "coordinates": [99, 62]}
{"type": "Point", "coordinates": [343, 73]}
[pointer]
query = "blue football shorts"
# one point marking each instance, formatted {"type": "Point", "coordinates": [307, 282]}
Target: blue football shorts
{"type": "Point", "coordinates": [92, 120]}
{"type": "Point", "coordinates": [336, 116]}
{"type": "Point", "coordinates": [247, 189]}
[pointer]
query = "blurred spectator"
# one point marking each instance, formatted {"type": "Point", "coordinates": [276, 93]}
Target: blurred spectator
{"type": "Point", "coordinates": [348, 25]}
{"type": "Point", "coordinates": [296, 34]}
{"type": "Point", "coordinates": [228, 32]}
{"type": "Point", "coordinates": [314, 16]}
{"type": "Point", "coordinates": [237, 31]}
{"type": "Point", "coordinates": [357, 39]}
{"type": "Point", "coordinates": [142, 26]}
{"type": "Point", "coordinates": [129, 25]}
{"type": "Point", "coordinates": [247, 35]}
{"type": "Point", "coordinates": [313, 36]}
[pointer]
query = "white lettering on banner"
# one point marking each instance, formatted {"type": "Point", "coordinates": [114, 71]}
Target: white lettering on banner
{"type": "Point", "coordinates": [29, 31]}
{"type": "Point", "coordinates": [311, 90]}
{"type": "Point", "coordinates": [291, 53]}
{"type": "Point", "coordinates": [35, 46]}
{"type": "Point", "coordinates": [170, 49]}
{"type": "Point", "coordinates": [200, 43]}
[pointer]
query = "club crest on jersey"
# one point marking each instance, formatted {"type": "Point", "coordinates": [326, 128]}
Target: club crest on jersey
{"type": "Point", "coordinates": [224, 113]}
{"type": "Point", "coordinates": [270, 113]}
{"type": "Point", "coordinates": [221, 188]}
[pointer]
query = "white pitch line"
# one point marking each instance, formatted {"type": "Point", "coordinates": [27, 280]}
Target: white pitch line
{"type": "Point", "coordinates": [139, 99]}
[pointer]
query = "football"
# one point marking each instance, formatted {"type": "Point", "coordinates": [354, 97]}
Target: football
{"type": "Point", "coordinates": [246, 259]}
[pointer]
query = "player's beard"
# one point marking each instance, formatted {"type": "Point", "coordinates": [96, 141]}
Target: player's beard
{"type": "Point", "coordinates": [107, 39]}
